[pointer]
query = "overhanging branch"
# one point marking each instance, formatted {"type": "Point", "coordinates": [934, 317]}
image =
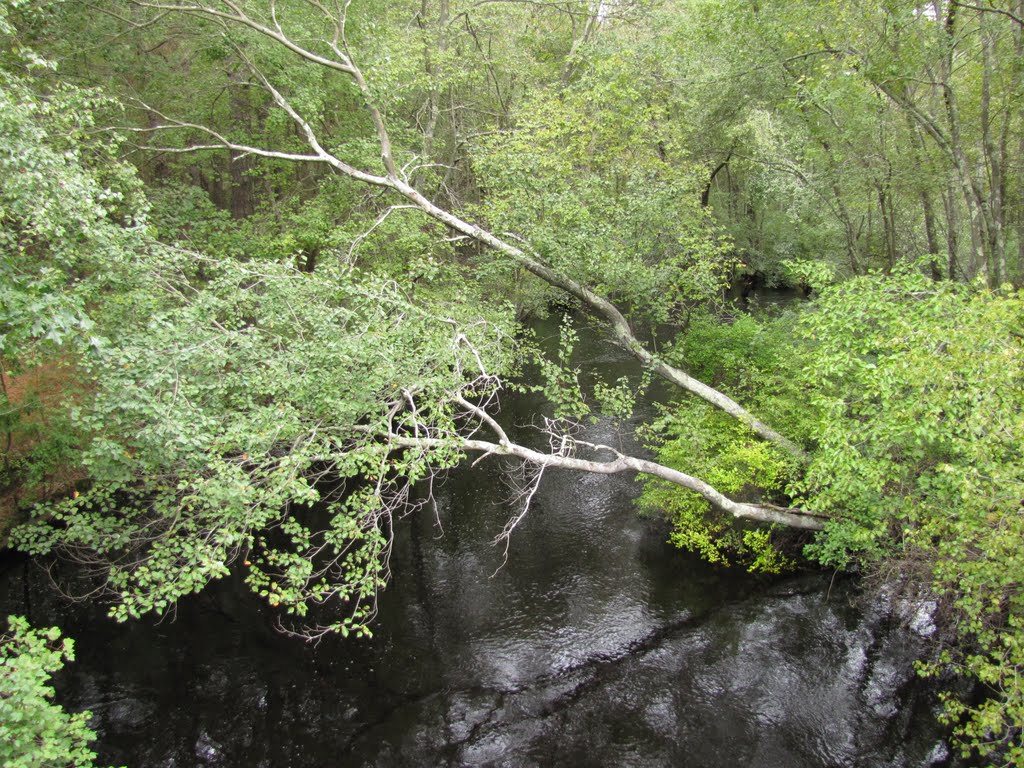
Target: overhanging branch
{"type": "Point", "coordinates": [394, 179]}
{"type": "Point", "coordinates": [620, 463]}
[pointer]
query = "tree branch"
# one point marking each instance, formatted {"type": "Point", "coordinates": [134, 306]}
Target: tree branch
{"type": "Point", "coordinates": [237, 16]}
{"type": "Point", "coordinates": [990, 9]}
{"type": "Point", "coordinates": [596, 304]}
{"type": "Point", "coordinates": [763, 513]}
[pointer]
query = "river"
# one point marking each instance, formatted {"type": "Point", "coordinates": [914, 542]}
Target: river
{"type": "Point", "coordinates": [595, 644]}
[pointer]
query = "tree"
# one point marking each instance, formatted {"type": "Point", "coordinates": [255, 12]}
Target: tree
{"type": "Point", "coordinates": [267, 388]}
{"type": "Point", "coordinates": [334, 54]}
{"type": "Point", "coordinates": [220, 392]}
{"type": "Point", "coordinates": [920, 447]}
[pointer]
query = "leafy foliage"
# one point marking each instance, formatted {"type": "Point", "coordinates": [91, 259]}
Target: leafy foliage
{"type": "Point", "coordinates": [68, 210]}
{"type": "Point", "coordinates": [218, 390]}
{"type": "Point", "coordinates": [561, 379]}
{"type": "Point", "coordinates": [702, 442]}
{"type": "Point", "coordinates": [593, 177]}
{"type": "Point", "coordinates": [920, 386]}
{"type": "Point", "coordinates": [911, 392]}
{"type": "Point", "coordinates": [751, 358]}
{"type": "Point", "coordinates": [217, 406]}
{"type": "Point", "coordinates": [646, 150]}
{"type": "Point", "coordinates": [34, 731]}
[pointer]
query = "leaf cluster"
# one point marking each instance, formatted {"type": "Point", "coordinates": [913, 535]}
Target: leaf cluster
{"type": "Point", "coordinates": [35, 732]}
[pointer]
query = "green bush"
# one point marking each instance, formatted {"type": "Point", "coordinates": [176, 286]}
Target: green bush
{"type": "Point", "coordinates": [909, 394]}
{"type": "Point", "coordinates": [34, 731]}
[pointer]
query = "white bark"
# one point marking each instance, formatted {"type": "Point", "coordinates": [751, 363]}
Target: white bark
{"type": "Point", "coordinates": [396, 180]}
{"type": "Point", "coordinates": [762, 513]}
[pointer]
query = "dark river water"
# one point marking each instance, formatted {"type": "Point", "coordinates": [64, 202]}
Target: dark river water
{"type": "Point", "coordinates": [596, 644]}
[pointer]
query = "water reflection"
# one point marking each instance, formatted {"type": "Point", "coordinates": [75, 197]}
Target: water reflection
{"type": "Point", "coordinates": [595, 644]}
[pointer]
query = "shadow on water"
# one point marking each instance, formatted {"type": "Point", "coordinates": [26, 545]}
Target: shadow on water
{"type": "Point", "coordinates": [595, 644]}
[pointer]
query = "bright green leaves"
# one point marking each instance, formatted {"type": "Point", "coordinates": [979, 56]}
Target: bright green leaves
{"type": "Point", "coordinates": [701, 441]}
{"type": "Point", "coordinates": [34, 731]}
{"type": "Point", "coordinates": [752, 359]}
{"type": "Point", "coordinates": [56, 218]}
{"type": "Point", "coordinates": [561, 379]}
{"type": "Point", "coordinates": [920, 386]}
{"type": "Point", "coordinates": [911, 393]}
{"type": "Point", "coordinates": [215, 393]}
{"type": "Point", "coordinates": [69, 215]}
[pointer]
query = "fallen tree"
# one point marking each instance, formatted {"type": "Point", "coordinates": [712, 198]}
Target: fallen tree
{"type": "Point", "coordinates": [337, 56]}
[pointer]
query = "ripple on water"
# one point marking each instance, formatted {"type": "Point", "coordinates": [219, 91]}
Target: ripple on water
{"type": "Point", "coordinates": [596, 644]}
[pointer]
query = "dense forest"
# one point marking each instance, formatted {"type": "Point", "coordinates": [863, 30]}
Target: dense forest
{"type": "Point", "coordinates": [258, 255]}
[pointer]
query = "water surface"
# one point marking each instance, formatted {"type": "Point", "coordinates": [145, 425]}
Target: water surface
{"type": "Point", "coordinates": [594, 644]}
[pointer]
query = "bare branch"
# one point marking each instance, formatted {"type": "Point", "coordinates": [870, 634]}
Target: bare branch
{"type": "Point", "coordinates": [513, 522]}
{"type": "Point", "coordinates": [792, 518]}
{"type": "Point", "coordinates": [485, 417]}
{"type": "Point", "coordinates": [237, 16]}
{"type": "Point", "coordinates": [358, 240]}
{"type": "Point", "coordinates": [222, 141]}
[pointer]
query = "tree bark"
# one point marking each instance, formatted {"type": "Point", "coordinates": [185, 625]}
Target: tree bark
{"type": "Point", "coordinates": [762, 513]}
{"type": "Point", "coordinates": [994, 155]}
{"type": "Point", "coordinates": [394, 179]}
{"type": "Point", "coordinates": [434, 94]}
{"type": "Point", "coordinates": [952, 233]}
{"type": "Point", "coordinates": [930, 234]}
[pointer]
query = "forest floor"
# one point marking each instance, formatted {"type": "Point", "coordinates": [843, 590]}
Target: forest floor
{"type": "Point", "coordinates": [34, 399]}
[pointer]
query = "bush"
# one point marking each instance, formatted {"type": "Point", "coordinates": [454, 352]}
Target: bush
{"type": "Point", "coordinates": [34, 731]}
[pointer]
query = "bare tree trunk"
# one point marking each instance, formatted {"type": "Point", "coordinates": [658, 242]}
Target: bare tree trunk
{"type": "Point", "coordinates": [1018, 46]}
{"type": "Point", "coordinates": [994, 159]}
{"type": "Point", "coordinates": [925, 194]}
{"type": "Point", "coordinates": [394, 179]}
{"type": "Point", "coordinates": [434, 96]}
{"type": "Point", "coordinates": [242, 186]}
{"type": "Point", "coordinates": [970, 190]}
{"type": "Point", "coordinates": [594, 19]}
{"type": "Point", "coordinates": [888, 225]}
{"type": "Point", "coordinates": [985, 232]}
{"type": "Point", "coordinates": [931, 236]}
{"type": "Point", "coordinates": [952, 234]}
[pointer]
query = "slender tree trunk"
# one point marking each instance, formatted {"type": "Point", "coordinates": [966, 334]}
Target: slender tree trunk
{"type": "Point", "coordinates": [705, 195]}
{"type": "Point", "coordinates": [434, 96]}
{"type": "Point", "coordinates": [925, 195]}
{"type": "Point", "coordinates": [931, 236]}
{"type": "Point", "coordinates": [952, 234]}
{"type": "Point", "coordinates": [594, 18]}
{"type": "Point", "coordinates": [888, 224]}
{"type": "Point", "coordinates": [953, 119]}
{"type": "Point", "coordinates": [242, 187]}
{"type": "Point", "coordinates": [994, 160]}
{"type": "Point", "coordinates": [1018, 45]}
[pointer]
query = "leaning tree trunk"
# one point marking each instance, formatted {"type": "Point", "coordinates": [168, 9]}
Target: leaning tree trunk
{"type": "Point", "coordinates": [340, 60]}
